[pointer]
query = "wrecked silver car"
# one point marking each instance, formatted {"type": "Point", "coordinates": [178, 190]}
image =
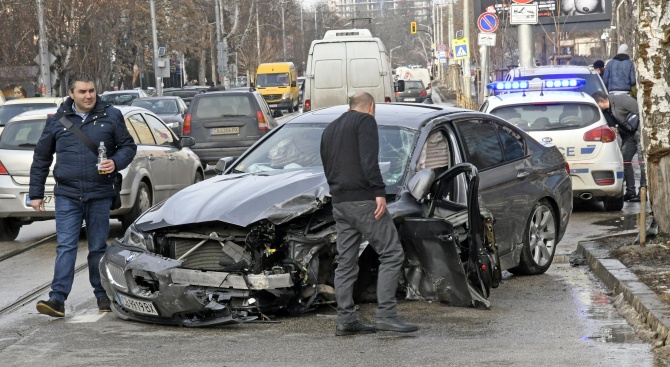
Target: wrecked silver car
{"type": "Point", "coordinates": [260, 238]}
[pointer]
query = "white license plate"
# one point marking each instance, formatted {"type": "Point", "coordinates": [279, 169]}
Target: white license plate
{"type": "Point", "coordinates": [136, 305]}
{"type": "Point", "coordinates": [410, 99]}
{"type": "Point", "coordinates": [225, 130]}
{"type": "Point", "coordinates": [49, 201]}
{"type": "Point", "coordinates": [272, 105]}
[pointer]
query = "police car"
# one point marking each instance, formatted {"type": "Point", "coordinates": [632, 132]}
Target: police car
{"type": "Point", "coordinates": [555, 111]}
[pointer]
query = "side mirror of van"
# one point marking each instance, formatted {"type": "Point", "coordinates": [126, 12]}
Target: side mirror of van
{"type": "Point", "coordinates": [400, 86]}
{"type": "Point", "coordinates": [293, 84]}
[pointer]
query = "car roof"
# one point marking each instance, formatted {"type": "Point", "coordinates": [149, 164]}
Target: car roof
{"type": "Point", "coordinates": [125, 91]}
{"type": "Point", "coordinates": [54, 100]}
{"type": "Point", "coordinates": [155, 98]}
{"type": "Point", "coordinates": [552, 70]}
{"type": "Point", "coordinates": [516, 98]}
{"type": "Point", "coordinates": [37, 113]}
{"type": "Point", "coordinates": [410, 115]}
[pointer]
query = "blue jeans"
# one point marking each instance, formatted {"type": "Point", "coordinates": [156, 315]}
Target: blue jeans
{"type": "Point", "coordinates": [69, 216]}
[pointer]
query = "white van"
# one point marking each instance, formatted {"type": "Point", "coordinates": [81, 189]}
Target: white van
{"type": "Point", "coordinates": [344, 62]}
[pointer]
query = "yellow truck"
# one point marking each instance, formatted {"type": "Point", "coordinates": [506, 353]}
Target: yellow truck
{"type": "Point", "coordinates": [277, 83]}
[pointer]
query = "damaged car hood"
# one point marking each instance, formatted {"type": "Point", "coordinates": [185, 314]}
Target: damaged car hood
{"type": "Point", "coordinates": [242, 199]}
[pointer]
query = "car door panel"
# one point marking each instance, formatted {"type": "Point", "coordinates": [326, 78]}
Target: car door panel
{"type": "Point", "coordinates": [155, 157]}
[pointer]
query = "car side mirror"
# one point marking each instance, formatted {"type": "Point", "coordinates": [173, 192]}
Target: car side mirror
{"type": "Point", "coordinates": [222, 164]}
{"type": "Point", "coordinates": [277, 113]}
{"type": "Point", "coordinates": [419, 185]}
{"type": "Point", "coordinates": [187, 141]}
{"type": "Point", "coordinates": [293, 84]}
{"type": "Point", "coordinates": [400, 86]}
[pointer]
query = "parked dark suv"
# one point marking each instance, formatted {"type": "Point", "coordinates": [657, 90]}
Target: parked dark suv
{"type": "Point", "coordinates": [225, 124]}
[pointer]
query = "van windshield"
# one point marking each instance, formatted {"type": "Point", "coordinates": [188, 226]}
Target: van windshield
{"type": "Point", "coordinates": [272, 80]}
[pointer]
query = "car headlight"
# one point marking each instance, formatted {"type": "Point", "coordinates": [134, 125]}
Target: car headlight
{"type": "Point", "coordinates": [287, 95]}
{"type": "Point", "coordinates": [135, 238]}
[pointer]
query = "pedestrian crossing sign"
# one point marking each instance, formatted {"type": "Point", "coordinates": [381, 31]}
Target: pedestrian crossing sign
{"type": "Point", "coordinates": [461, 50]}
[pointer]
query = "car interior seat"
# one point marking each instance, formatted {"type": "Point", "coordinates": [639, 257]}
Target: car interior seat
{"type": "Point", "coordinates": [541, 123]}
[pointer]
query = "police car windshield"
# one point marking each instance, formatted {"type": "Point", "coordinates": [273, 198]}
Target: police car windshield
{"type": "Point", "coordinates": [555, 116]}
{"type": "Point", "coordinates": [593, 81]}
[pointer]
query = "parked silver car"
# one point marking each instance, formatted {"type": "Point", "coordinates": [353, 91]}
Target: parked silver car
{"type": "Point", "coordinates": [162, 166]}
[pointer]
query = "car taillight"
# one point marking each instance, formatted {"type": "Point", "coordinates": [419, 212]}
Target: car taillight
{"type": "Point", "coordinates": [262, 124]}
{"type": "Point", "coordinates": [187, 124]}
{"type": "Point", "coordinates": [397, 94]}
{"type": "Point", "coordinates": [307, 106]}
{"type": "Point", "coordinates": [3, 170]}
{"type": "Point", "coordinates": [423, 93]}
{"type": "Point", "coordinates": [603, 178]}
{"type": "Point", "coordinates": [567, 165]}
{"type": "Point", "coordinates": [387, 99]}
{"type": "Point", "coordinates": [602, 134]}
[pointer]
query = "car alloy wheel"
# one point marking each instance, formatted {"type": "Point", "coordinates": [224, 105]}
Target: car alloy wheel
{"type": "Point", "coordinates": [539, 244]}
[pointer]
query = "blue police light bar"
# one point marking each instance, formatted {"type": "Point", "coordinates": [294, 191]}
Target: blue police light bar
{"type": "Point", "coordinates": [508, 86]}
{"type": "Point", "coordinates": [549, 84]}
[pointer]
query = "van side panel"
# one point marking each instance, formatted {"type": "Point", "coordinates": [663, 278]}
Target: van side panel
{"type": "Point", "coordinates": [329, 88]}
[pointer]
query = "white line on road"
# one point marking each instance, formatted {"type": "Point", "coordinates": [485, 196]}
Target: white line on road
{"type": "Point", "coordinates": [86, 318]}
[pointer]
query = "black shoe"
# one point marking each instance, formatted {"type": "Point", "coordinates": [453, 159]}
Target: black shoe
{"type": "Point", "coordinates": [628, 196]}
{"type": "Point", "coordinates": [394, 324]}
{"type": "Point", "coordinates": [635, 199]}
{"type": "Point", "coordinates": [52, 307]}
{"type": "Point", "coordinates": [104, 304]}
{"type": "Point", "coordinates": [351, 328]}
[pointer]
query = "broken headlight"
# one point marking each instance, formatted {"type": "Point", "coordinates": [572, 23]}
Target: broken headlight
{"type": "Point", "coordinates": [135, 238]}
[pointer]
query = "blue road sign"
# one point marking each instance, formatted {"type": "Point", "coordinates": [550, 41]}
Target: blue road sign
{"type": "Point", "coordinates": [487, 22]}
{"type": "Point", "coordinates": [461, 51]}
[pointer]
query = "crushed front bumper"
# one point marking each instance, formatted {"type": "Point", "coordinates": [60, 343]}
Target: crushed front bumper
{"type": "Point", "coordinates": [150, 288]}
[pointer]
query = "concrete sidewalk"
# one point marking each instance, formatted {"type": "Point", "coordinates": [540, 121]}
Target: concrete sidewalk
{"type": "Point", "coordinates": [621, 281]}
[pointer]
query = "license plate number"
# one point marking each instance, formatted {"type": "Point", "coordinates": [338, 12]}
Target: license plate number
{"type": "Point", "coordinates": [410, 99]}
{"type": "Point", "coordinates": [272, 105]}
{"type": "Point", "coordinates": [225, 130]}
{"type": "Point", "coordinates": [49, 201]}
{"type": "Point", "coordinates": [136, 305]}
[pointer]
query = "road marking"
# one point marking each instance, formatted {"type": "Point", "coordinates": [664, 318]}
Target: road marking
{"type": "Point", "coordinates": [80, 319]}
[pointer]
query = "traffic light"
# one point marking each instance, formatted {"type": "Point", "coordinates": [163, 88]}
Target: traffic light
{"type": "Point", "coordinates": [412, 27]}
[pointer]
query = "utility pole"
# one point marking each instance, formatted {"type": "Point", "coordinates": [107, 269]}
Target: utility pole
{"type": "Point", "coordinates": [466, 61]}
{"type": "Point", "coordinates": [283, 31]}
{"type": "Point", "coordinates": [526, 34]}
{"type": "Point", "coordinates": [44, 52]}
{"type": "Point", "coordinates": [219, 48]}
{"type": "Point", "coordinates": [302, 38]}
{"type": "Point", "coordinates": [258, 40]}
{"type": "Point", "coordinates": [159, 80]}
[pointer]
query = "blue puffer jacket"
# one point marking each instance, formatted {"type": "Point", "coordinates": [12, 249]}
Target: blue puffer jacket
{"type": "Point", "coordinates": [76, 171]}
{"type": "Point", "coordinates": [619, 74]}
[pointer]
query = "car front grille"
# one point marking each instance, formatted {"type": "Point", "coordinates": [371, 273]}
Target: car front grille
{"type": "Point", "coordinates": [118, 277]}
{"type": "Point", "coordinates": [205, 257]}
{"type": "Point", "coordinates": [271, 97]}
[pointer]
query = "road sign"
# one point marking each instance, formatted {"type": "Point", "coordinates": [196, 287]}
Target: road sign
{"type": "Point", "coordinates": [52, 59]}
{"type": "Point", "coordinates": [523, 14]}
{"type": "Point", "coordinates": [459, 34]}
{"type": "Point", "coordinates": [486, 39]}
{"type": "Point", "coordinates": [487, 22]}
{"type": "Point", "coordinates": [461, 49]}
{"type": "Point", "coordinates": [442, 47]}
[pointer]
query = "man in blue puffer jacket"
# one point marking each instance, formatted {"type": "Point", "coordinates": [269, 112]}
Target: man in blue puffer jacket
{"type": "Point", "coordinates": [81, 192]}
{"type": "Point", "coordinates": [619, 76]}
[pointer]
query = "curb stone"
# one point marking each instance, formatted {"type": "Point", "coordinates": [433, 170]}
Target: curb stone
{"type": "Point", "coordinates": [620, 280]}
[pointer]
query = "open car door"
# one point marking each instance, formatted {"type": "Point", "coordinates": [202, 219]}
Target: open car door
{"type": "Point", "coordinates": [451, 248]}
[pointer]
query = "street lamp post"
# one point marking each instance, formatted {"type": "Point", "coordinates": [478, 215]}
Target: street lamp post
{"type": "Point", "coordinates": [391, 55]}
{"type": "Point", "coordinates": [283, 31]}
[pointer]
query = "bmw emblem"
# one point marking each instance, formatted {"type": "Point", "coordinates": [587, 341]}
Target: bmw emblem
{"type": "Point", "coordinates": [131, 257]}
{"type": "Point", "coordinates": [547, 140]}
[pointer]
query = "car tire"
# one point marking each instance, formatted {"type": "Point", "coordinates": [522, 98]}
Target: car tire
{"type": "Point", "coordinates": [9, 229]}
{"type": "Point", "coordinates": [290, 107]}
{"type": "Point", "coordinates": [614, 204]}
{"type": "Point", "coordinates": [539, 241]}
{"type": "Point", "coordinates": [198, 177]}
{"type": "Point", "coordinates": [142, 203]}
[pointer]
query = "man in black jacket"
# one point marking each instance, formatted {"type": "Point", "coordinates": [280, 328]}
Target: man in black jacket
{"type": "Point", "coordinates": [82, 193]}
{"type": "Point", "coordinates": [349, 151]}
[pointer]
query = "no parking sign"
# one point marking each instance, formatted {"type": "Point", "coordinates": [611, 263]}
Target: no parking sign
{"type": "Point", "coordinates": [487, 22]}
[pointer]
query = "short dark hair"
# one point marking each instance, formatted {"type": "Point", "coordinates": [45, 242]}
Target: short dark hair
{"type": "Point", "coordinates": [79, 77]}
{"type": "Point", "coordinates": [360, 99]}
{"type": "Point", "coordinates": [600, 96]}
{"type": "Point", "coordinates": [598, 64]}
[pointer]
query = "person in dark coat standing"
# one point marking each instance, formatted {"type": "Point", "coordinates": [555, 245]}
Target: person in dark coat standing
{"type": "Point", "coordinates": [349, 152]}
{"type": "Point", "coordinates": [599, 67]}
{"type": "Point", "coordinates": [619, 75]}
{"type": "Point", "coordinates": [620, 107]}
{"type": "Point", "coordinates": [81, 192]}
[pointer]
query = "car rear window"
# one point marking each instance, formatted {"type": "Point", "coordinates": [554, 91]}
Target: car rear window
{"type": "Point", "coordinates": [22, 135]}
{"type": "Point", "coordinates": [182, 93]}
{"type": "Point", "coordinates": [9, 111]}
{"type": "Point", "coordinates": [119, 98]}
{"type": "Point", "coordinates": [217, 106]}
{"type": "Point", "coordinates": [158, 106]}
{"type": "Point", "coordinates": [409, 84]}
{"type": "Point", "coordinates": [555, 116]}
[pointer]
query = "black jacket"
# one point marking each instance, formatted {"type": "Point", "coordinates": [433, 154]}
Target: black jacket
{"type": "Point", "coordinates": [349, 152]}
{"type": "Point", "coordinates": [76, 173]}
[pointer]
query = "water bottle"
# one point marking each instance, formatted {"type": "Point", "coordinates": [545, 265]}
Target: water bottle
{"type": "Point", "coordinates": [102, 156]}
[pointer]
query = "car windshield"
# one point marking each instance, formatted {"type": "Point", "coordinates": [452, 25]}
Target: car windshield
{"type": "Point", "coordinates": [298, 145]}
{"type": "Point", "coordinates": [9, 111]}
{"type": "Point", "coordinates": [158, 106]}
{"type": "Point", "coordinates": [555, 116]}
{"type": "Point", "coordinates": [119, 98]}
{"type": "Point", "coordinates": [22, 135]}
{"type": "Point", "coordinates": [272, 80]}
{"type": "Point", "coordinates": [593, 81]}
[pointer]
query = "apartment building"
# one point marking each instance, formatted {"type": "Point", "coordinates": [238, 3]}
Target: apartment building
{"type": "Point", "coordinates": [417, 9]}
